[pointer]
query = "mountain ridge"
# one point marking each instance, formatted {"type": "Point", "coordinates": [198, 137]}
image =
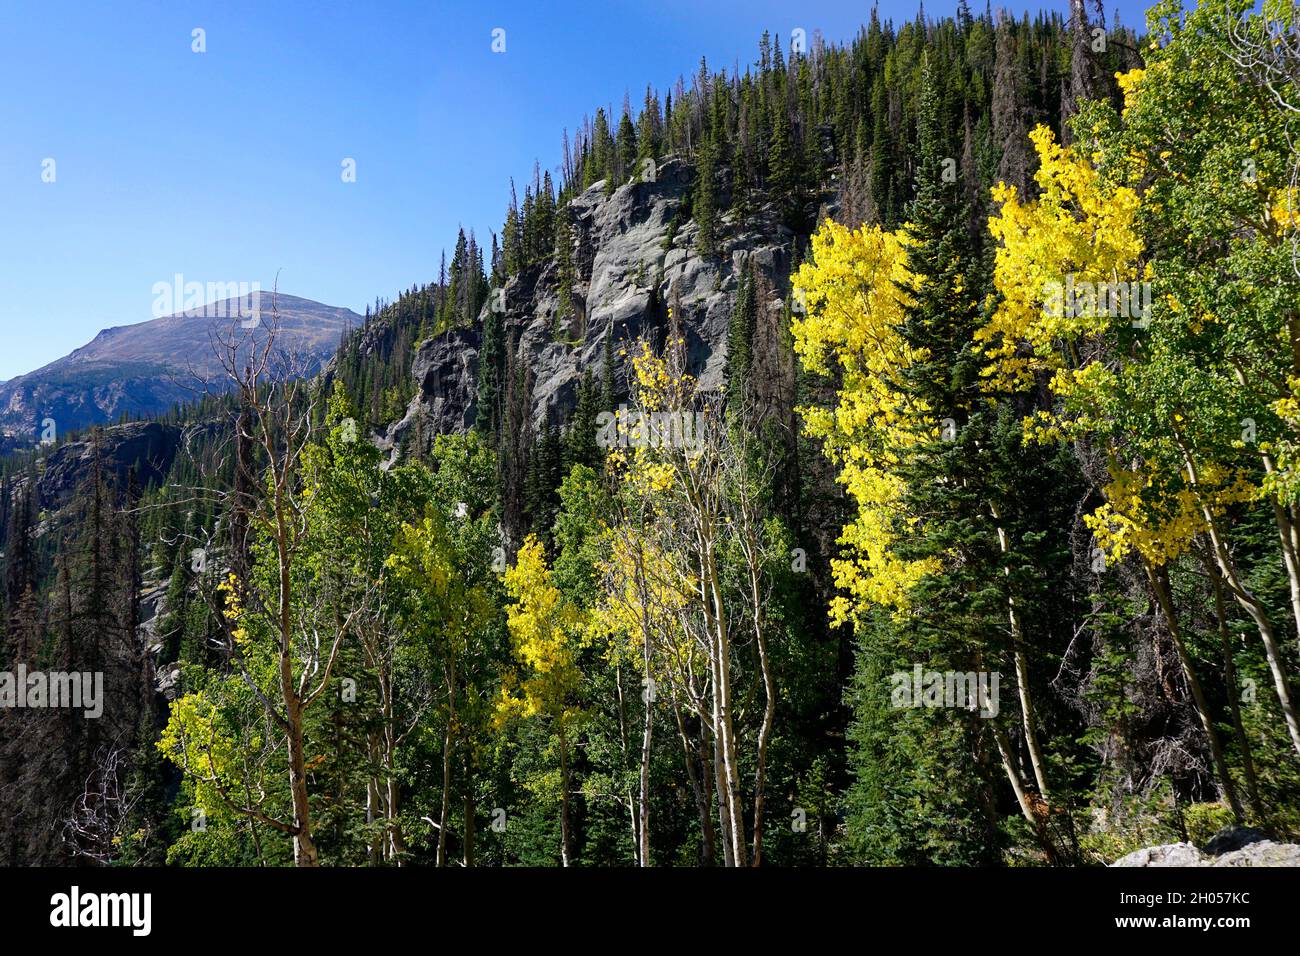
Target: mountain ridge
{"type": "Point", "coordinates": [143, 369]}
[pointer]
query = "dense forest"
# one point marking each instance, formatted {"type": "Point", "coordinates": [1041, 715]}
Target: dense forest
{"type": "Point", "coordinates": [985, 549]}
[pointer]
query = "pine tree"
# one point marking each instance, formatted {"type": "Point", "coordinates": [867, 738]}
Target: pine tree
{"type": "Point", "coordinates": [545, 472]}
{"type": "Point", "coordinates": [562, 256]}
{"type": "Point", "coordinates": [950, 629]}
{"type": "Point", "coordinates": [602, 154]}
{"type": "Point", "coordinates": [542, 228]}
{"type": "Point", "coordinates": [581, 446]}
{"type": "Point", "coordinates": [512, 240]}
{"type": "Point", "coordinates": [608, 386]}
{"type": "Point", "coordinates": [491, 369]}
{"type": "Point", "coordinates": [740, 339]}
{"type": "Point", "coordinates": [882, 155]}
{"type": "Point", "coordinates": [458, 278]}
{"type": "Point", "coordinates": [704, 204]}
{"type": "Point", "coordinates": [649, 131]}
{"type": "Point", "coordinates": [785, 179]}
{"type": "Point", "coordinates": [626, 146]}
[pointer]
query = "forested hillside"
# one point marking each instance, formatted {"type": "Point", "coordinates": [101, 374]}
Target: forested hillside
{"type": "Point", "coordinates": [883, 455]}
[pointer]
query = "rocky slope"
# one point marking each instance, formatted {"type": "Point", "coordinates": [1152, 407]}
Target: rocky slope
{"type": "Point", "coordinates": [142, 370]}
{"type": "Point", "coordinates": [1233, 847]}
{"type": "Point", "coordinates": [148, 448]}
{"type": "Point", "coordinates": [635, 257]}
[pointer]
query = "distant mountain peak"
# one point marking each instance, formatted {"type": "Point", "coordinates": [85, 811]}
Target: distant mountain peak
{"type": "Point", "coordinates": [145, 368]}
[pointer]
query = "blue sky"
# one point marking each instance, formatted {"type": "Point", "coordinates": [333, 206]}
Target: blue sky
{"type": "Point", "coordinates": [225, 166]}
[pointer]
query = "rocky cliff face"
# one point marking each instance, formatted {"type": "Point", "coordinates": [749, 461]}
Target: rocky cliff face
{"type": "Point", "coordinates": [445, 371]}
{"type": "Point", "coordinates": [147, 447]}
{"type": "Point", "coordinates": [635, 257]}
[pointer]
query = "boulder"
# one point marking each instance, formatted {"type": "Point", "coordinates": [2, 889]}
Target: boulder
{"type": "Point", "coordinates": [1234, 846]}
{"type": "Point", "coordinates": [1171, 854]}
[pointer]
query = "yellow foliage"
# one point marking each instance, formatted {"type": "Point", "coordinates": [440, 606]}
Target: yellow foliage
{"type": "Point", "coordinates": [856, 293]}
{"type": "Point", "coordinates": [544, 629]}
{"type": "Point", "coordinates": [1157, 517]}
{"type": "Point", "coordinates": [1285, 209]}
{"type": "Point", "coordinates": [1129, 83]}
{"type": "Point", "coordinates": [1081, 227]}
{"type": "Point", "coordinates": [643, 595]}
{"type": "Point", "coordinates": [234, 609]}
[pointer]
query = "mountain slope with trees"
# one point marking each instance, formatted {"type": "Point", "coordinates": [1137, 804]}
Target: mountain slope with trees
{"type": "Point", "coordinates": [147, 369]}
{"type": "Point", "coordinates": [634, 538]}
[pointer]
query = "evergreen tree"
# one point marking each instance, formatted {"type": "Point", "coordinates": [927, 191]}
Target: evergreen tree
{"type": "Point", "coordinates": [740, 338]}
{"type": "Point", "coordinates": [704, 204]}
{"type": "Point", "coordinates": [626, 146]}
{"type": "Point", "coordinates": [491, 369]}
{"type": "Point", "coordinates": [581, 437]}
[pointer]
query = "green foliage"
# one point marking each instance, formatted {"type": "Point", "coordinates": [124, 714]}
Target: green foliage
{"type": "Point", "coordinates": [531, 638]}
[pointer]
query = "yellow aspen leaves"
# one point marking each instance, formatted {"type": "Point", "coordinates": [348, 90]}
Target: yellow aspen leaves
{"type": "Point", "coordinates": [1129, 83]}
{"type": "Point", "coordinates": [855, 289]}
{"type": "Point", "coordinates": [544, 638]}
{"type": "Point", "coordinates": [643, 596]}
{"type": "Point", "coordinates": [1156, 516]}
{"type": "Point", "coordinates": [1080, 230]}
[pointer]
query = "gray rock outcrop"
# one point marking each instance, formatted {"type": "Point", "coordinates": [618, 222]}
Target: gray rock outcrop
{"type": "Point", "coordinates": [635, 256]}
{"type": "Point", "coordinates": [1232, 847]}
{"type": "Point", "coordinates": [147, 447]}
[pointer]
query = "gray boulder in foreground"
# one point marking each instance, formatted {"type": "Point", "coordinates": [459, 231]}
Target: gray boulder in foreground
{"type": "Point", "coordinates": [1236, 847]}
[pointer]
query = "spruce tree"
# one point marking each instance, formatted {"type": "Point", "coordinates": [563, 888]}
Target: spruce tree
{"type": "Point", "coordinates": [626, 147]}
{"type": "Point", "coordinates": [785, 180]}
{"type": "Point", "coordinates": [740, 339]}
{"type": "Point", "coordinates": [704, 205]}
{"type": "Point", "coordinates": [491, 369]}
{"type": "Point", "coordinates": [580, 438]}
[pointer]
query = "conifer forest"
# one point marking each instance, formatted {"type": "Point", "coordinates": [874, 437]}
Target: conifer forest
{"type": "Point", "coordinates": [882, 451]}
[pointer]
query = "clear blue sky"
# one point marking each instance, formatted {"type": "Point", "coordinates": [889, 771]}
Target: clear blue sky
{"type": "Point", "coordinates": [225, 166]}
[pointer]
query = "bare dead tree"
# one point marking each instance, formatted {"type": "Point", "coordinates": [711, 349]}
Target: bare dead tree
{"type": "Point", "coordinates": [96, 823]}
{"type": "Point", "coordinates": [268, 438]}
